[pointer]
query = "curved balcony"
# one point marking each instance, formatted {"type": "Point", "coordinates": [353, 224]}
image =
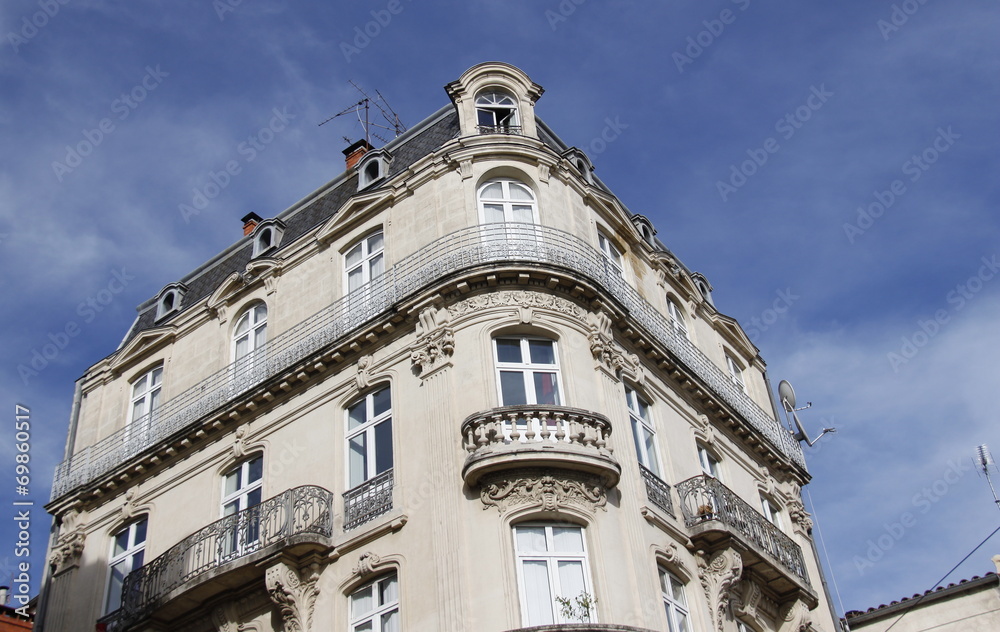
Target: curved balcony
{"type": "Point", "coordinates": [461, 251]}
{"type": "Point", "coordinates": [715, 515]}
{"type": "Point", "coordinates": [538, 436]}
{"type": "Point", "coordinates": [296, 521]}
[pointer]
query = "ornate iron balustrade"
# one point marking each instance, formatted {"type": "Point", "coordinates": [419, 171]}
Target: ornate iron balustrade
{"type": "Point", "coordinates": [458, 251]}
{"type": "Point", "coordinates": [657, 490]}
{"type": "Point", "coordinates": [704, 498]}
{"type": "Point", "coordinates": [499, 129]}
{"type": "Point", "coordinates": [306, 510]}
{"type": "Point", "coordinates": [368, 500]}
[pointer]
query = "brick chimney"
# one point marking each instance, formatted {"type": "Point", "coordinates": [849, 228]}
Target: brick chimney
{"type": "Point", "coordinates": [250, 222]}
{"type": "Point", "coordinates": [356, 151]}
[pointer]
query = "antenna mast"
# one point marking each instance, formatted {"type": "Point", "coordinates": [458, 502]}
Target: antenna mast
{"type": "Point", "coordinates": [984, 461]}
{"type": "Point", "coordinates": [392, 122]}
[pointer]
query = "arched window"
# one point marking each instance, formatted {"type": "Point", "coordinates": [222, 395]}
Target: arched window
{"type": "Point", "coordinates": [527, 370]}
{"type": "Point", "coordinates": [241, 490]}
{"type": "Point", "coordinates": [251, 331]}
{"type": "Point", "coordinates": [677, 317]}
{"type": "Point", "coordinates": [375, 606]}
{"type": "Point", "coordinates": [128, 548]}
{"type": "Point", "coordinates": [506, 200]}
{"type": "Point", "coordinates": [736, 373]}
{"type": "Point", "coordinates": [145, 400]}
{"type": "Point", "coordinates": [365, 261]}
{"type": "Point", "coordinates": [496, 113]}
{"type": "Point", "coordinates": [674, 602]}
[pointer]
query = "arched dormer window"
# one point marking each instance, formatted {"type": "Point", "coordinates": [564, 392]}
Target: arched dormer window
{"type": "Point", "coordinates": [703, 286]}
{"type": "Point", "coordinates": [645, 228]}
{"type": "Point", "coordinates": [267, 236]}
{"type": "Point", "coordinates": [496, 113]}
{"type": "Point", "coordinates": [169, 300]}
{"type": "Point", "coordinates": [373, 167]}
{"type": "Point", "coordinates": [581, 163]}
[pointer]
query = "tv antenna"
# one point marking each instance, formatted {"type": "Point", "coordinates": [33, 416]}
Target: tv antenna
{"type": "Point", "coordinates": [787, 396]}
{"type": "Point", "coordinates": [392, 122]}
{"type": "Point", "coordinates": [984, 461]}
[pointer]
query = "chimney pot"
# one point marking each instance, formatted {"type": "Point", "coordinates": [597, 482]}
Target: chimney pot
{"type": "Point", "coordinates": [250, 222]}
{"type": "Point", "coordinates": [356, 150]}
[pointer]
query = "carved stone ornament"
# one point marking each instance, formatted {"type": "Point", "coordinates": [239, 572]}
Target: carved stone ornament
{"type": "Point", "coordinates": [718, 578]}
{"type": "Point", "coordinates": [608, 353]}
{"type": "Point", "coordinates": [465, 168]}
{"type": "Point", "coordinates": [294, 597]}
{"type": "Point", "coordinates": [747, 600]}
{"type": "Point", "coordinates": [239, 445]}
{"type": "Point", "coordinates": [800, 517]}
{"type": "Point", "coordinates": [671, 554]}
{"type": "Point", "coordinates": [539, 488]}
{"type": "Point", "coordinates": [225, 619]}
{"type": "Point", "coordinates": [435, 339]}
{"type": "Point", "coordinates": [796, 618]}
{"type": "Point", "coordinates": [69, 547]}
{"type": "Point", "coordinates": [366, 564]}
{"type": "Point", "coordinates": [519, 298]}
{"type": "Point", "coordinates": [543, 172]}
{"type": "Point", "coordinates": [363, 378]}
{"type": "Point", "coordinates": [128, 508]}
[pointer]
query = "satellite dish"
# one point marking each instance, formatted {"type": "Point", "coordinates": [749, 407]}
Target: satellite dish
{"type": "Point", "coordinates": [787, 395]}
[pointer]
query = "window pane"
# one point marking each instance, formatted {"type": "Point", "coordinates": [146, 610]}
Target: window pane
{"type": "Point", "coordinates": [546, 389]}
{"type": "Point", "coordinates": [520, 193]}
{"type": "Point", "coordinates": [260, 312]}
{"type": "Point", "coordinates": [242, 347]}
{"type": "Point", "coordinates": [115, 586]}
{"type": "Point", "coordinates": [508, 350]}
{"type": "Point", "coordinates": [390, 621]}
{"type": "Point", "coordinates": [255, 470]}
{"type": "Point", "coordinates": [678, 592]}
{"type": "Point", "coordinates": [356, 415]}
{"type": "Point", "coordinates": [382, 401]}
{"type": "Point", "coordinates": [537, 593]}
{"type": "Point", "coordinates": [140, 533]}
{"type": "Point", "coordinates": [387, 591]}
{"type": "Point", "coordinates": [494, 190]}
{"type": "Point", "coordinates": [375, 243]}
{"type": "Point", "coordinates": [137, 560]}
{"type": "Point", "coordinates": [383, 446]}
{"type": "Point", "coordinates": [139, 387]}
{"type": "Point", "coordinates": [530, 539]}
{"type": "Point", "coordinates": [154, 400]}
{"type": "Point", "coordinates": [354, 256]}
{"type": "Point", "coordinates": [567, 539]}
{"type": "Point", "coordinates": [571, 578]}
{"type": "Point", "coordinates": [493, 213]}
{"type": "Point", "coordinates": [260, 337]}
{"type": "Point", "coordinates": [363, 627]}
{"type": "Point", "coordinates": [542, 351]}
{"type": "Point", "coordinates": [485, 117]}
{"type": "Point", "coordinates": [512, 388]}
{"type": "Point", "coordinates": [522, 214]}
{"type": "Point", "coordinates": [362, 602]}
{"type": "Point", "coordinates": [244, 325]}
{"type": "Point", "coordinates": [355, 279]}
{"type": "Point", "coordinates": [233, 481]}
{"type": "Point", "coordinates": [650, 444]}
{"type": "Point", "coordinates": [230, 508]}
{"type": "Point", "coordinates": [682, 622]}
{"type": "Point", "coordinates": [253, 498]}
{"type": "Point", "coordinates": [358, 460]}
{"type": "Point", "coordinates": [376, 267]}
{"type": "Point", "coordinates": [138, 409]}
{"type": "Point", "coordinates": [121, 543]}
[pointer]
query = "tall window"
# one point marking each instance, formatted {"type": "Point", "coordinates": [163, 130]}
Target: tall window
{"type": "Point", "coordinates": [127, 551]}
{"type": "Point", "coordinates": [612, 255]}
{"type": "Point", "coordinates": [251, 331]}
{"type": "Point", "coordinates": [145, 401]}
{"type": "Point", "coordinates": [496, 112]}
{"type": "Point", "coordinates": [369, 436]}
{"type": "Point", "coordinates": [365, 261]}
{"type": "Point", "coordinates": [674, 602]}
{"type": "Point", "coordinates": [709, 464]}
{"type": "Point", "coordinates": [241, 490]}
{"type": "Point", "coordinates": [375, 607]}
{"type": "Point", "coordinates": [527, 370]}
{"type": "Point", "coordinates": [677, 317]}
{"type": "Point", "coordinates": [642, 431]}
{"type": "Point", "coordinates": [551, 563]}
{"type": "Point", "coordinates": [735, 373]}
{"type": "Point", "coordinates": [770, 511]}
{"type": "Point", "coordinates": [506, 200]}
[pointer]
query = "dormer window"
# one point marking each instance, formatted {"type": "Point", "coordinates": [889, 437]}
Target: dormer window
{"type": "Point", "coordinates": [170, 300]}
{"type": "Point", "coordinates": [645, 228]}
{"type": "Point", "coordinates": [703, 286]}
{"type": "Point", "coordinates": [581, 163]}
{"type": "Point", "coordinates": [496, 113]}
{"type": "Point", "coordinates": [267, 236]}
{"type": "Point", "coordinates": [372, 168]}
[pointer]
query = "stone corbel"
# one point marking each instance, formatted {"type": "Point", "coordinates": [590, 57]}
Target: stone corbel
{"type": "Point", "coordinates": [363, 378]}
{"type": "Point", "coordinates": [225, 619]}
{"type": "Point", "coordinates": [747, 600]}
{"type": "Point", "coordinates": [795, 617]}
{"type": "Point", "coordinates": [435, 340]}
{"type": "Point", "coordinates": [607, 354]}
{"type": "Point", "coordinates": [294, 596]}
{"type": "Point", "coordinates": [800, 517]}
{"type": "Point", "coordinates": [719, 576]}
{"type": "Point", "coordinates": [543, 172]}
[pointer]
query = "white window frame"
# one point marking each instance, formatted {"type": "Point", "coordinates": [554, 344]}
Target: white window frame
{"type": "Point", "coordinates": [709, 463]}
{"type": "Point", "coordinates": [246, 532]}
{"type": "Point", "coordinates": [643, 422]}
{"type": "Point", "coordinates": [672, 607]}
{"type": "Point", "coordinates": [506, 201]}
{"type": "Point", "coordinates": [771, 511]}
{"type": "Point", "coordinates": [677, 317]}
{"type": "Point", "coordinates": [611, 254]}
{"type": "Point", "coordinates": [132, 550]}
{"type": "Point", "coordinates": [493, 102]}
{"type": "Point", "coordinates": [736, 373]}
{"type": "Point", "coordinates": [376, 615]}
{"type": "Point", "coordinates": [552, 559]}
{"type": "Point", "coordinates": [370, 253]}
{"type": "Point", "coordinates": [368, 429]}
{"type": "Point", "coordinates": [149, 397]}
{"type": "Point", "coordinates": [256, 321]}
{"type": "Point", "coordinates": [527, 369]}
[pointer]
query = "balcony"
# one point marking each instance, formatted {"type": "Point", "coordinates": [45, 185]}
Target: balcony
{"type": "Point", "coordinates": [499, 129]}
{"type": "Point", "coordinates": [296, 521]}
{"type": "Point", "coordinates": [368, 500]}
{"type": "Point", "coordinates": [538, 436]}
{"type": "Point", "coordinates": [714, 514]}
{"type": "Point", "coordinates": [657, 491]}
{"type": "Point", "coordinates": [453, 254]}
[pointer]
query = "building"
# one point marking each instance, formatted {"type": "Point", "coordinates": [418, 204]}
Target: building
{"type": "Point", "coordinates": [971, 605]}
{"type": "Point", "coordinates": [459, 387]}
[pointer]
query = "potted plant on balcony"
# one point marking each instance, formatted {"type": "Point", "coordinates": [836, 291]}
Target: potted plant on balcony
{"type": "Point", "coordinates": [706, 512]}
{"type": "Point", "coordinates": [578, 608]}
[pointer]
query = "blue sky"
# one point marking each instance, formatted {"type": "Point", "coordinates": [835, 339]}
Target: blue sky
{"type": "Point", "coordinates": [750, 133]}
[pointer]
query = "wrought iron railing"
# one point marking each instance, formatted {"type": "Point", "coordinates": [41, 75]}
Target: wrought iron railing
{"type": "Point", "coordinates": [368, 500]}
{"type": "Point", "coordinates": [306, 510]}
{"type": "Point", "coordinates": [704, 498]}
{"type": "Point", "coordinates": [657, 491]}
{"type": "Point", "coordinates": [499, 129]}
{"type": "Point", "coordinates": [453, 253]}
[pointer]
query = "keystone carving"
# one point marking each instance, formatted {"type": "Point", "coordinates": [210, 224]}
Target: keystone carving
{"type": "Point", "coordinates": [239, 446]}
{"type": "Point", "coordinates": [366, 564]}
{"type": "Point", "coordinates": [363, 378]}
{"type": "Point", "coordinates": [435, 339]}
{"type": "Point", "coordinates": [551, 493]}
{"type": "Point", "coordinates": [294, 597]}
{"type": "Point", "coordinates": [718, 577]}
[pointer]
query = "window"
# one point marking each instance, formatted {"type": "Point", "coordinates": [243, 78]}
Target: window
{"type": "Point", "coordinates": [496, 113]}
{"type": "Point", "coordinates": [527, 371]}
{"type": "Point", "coordinates": [365, 262]}
{"type": "Point", "coordinates": [145, 401]}
{"type": "Point", "coordinates": [127, 551]}
{"type": "Point", "coordinates": [506, 201]}
{"type": "Point", "coordinates": [241, 490]}
{"type": "Point", "coordinates": [709, 464]}
{"type": "Point", "coordinates": [267, 234]}
{"type": "Point", "coordinates": [770, 511]}
{"type": "Point", "coordinates": [674, 602]}
{"type": "Point", "coordinates": [551, 563]}
{"type": "Point", "coordinates": [735, 373]}
{"type": "Point", "coordinates": [373, 167]}
{"type": "Point", "coordinates": [677, 318]}
{"type": "Point", "coordinates": [369, 436]}
{"type": "Point", "coordinates": [642, 431]}
{"type": "Point", "coordinates": [611, 255]}
{"type": "Point", "coordinates": [251, 331]}
{"type": "Point", "coordinates": [170, 300]}
{"type": "Point", "coordinates": [375, 607]}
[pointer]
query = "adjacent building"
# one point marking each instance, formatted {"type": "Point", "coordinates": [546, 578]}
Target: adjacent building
{"type": "Point", "coordinates": [458, 387]}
